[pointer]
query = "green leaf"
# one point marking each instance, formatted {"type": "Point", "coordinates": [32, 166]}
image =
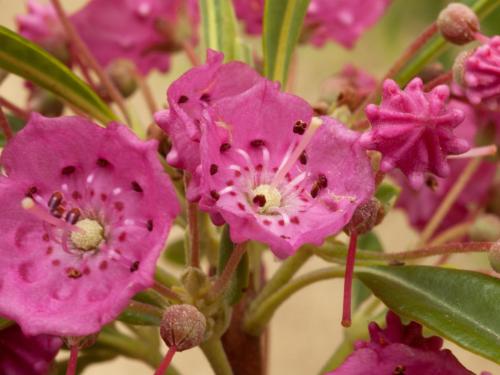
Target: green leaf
{"type": "Point", "coordinates": [21, 57]}
{"type": "Point", "coordinates": [282, 25]}
{"type": "Point", "coordinates": [220, 28]}
{"type": "Point", "coordinates": [175, 253]}
{"type": "Point", "coordinates": [461, 306]}
{"type": "Point", "coordinates": [367, 241]}
{"type": "Point", "coordinates": [387, 193]}
{"type": "Point", "coordinates": [15, 123]}
{"type": "Point", "coordinates": [239, 281]}
{"type": "Point", "coordinates": [140, 318]}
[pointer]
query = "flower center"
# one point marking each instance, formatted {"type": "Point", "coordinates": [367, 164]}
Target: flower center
{"type": "Point", "coordinates": [89, 237]}
{"type": "Point", "coordinates": [266, 197]}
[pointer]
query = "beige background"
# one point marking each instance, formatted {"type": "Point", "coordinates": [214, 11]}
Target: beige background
{"type": "Point", "coordinates": [306, 328]}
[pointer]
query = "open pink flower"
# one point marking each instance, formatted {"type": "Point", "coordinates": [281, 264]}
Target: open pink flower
{"type": "Point", "coordinates": [26, 355]}
{"type": "Point", "coordinates": [414, 130]}
{"type": "Point", "coordinates": [342, 20]}
{"type": "Point", "coordinates": [85, 214]}
{"type": "Point", "coordinates": [143, 31]}
{"type": "Point", "coordinates": [251, 12]}
{"type": "Point", "coordinates": [482, 74]}
{"type": "Point", "coordinates": [41, 25]}
{"type": "Point", "coordinates": [400, 350]}
{"type": "Point", "coordinates": [189, 97]}
{"type": "Point", "coordinates": [278, 176]}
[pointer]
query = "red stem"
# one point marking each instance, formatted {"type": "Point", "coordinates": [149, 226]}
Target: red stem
{"type": "Point", "coordinates": [349, 271]}
{"type": "Point", "coordinates": [166, 361]}
{"type": "Point", "coordinates": [4, 124]}
{"type": "Point", "coordinates": [19, 112]}
{"type": "Point", "coordinates": [73, 359]}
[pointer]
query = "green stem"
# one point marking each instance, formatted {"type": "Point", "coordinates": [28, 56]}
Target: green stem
{"type": "Point", "coordinates": [258, 318]}
{"type": "Point", "coordinates": [286, 271]}
{"type": "Point", "coordinates": [214, 351]}
{"type": "Point", "coordinates": [165, 278]}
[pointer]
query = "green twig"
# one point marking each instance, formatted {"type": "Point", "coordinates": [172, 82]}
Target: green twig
{"type": "Point", "coordinates": [214, 351]}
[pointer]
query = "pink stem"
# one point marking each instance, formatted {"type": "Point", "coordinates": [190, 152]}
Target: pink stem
{"type": "Point", "coordinates": [73, 359]}
{"type": "Point", "coordinates": [481, 38]}
{"type": "Point", "coordinates": [349, 270]}
{"type": "Point", "coordinates": [166, 361]}
{"type": "Point", "coordinates": [476, 152]}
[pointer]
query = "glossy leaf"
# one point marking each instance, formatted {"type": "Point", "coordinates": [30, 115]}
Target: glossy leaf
{"type": "Point", "coordinates": [220, 28]}
{"type": "Point", "coordinates": [282, 25]}
{"type": "Point", "coordinates": [461, 306]}
{"type": "Point", "coordinates": [23, 58]}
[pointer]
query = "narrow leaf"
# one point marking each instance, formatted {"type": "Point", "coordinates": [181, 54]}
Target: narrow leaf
{"type": "Point", "coordinates": [220, 28]}
{"type": "Point", "coordinates": [282, 25]}
{"type": "Point", "coordinates": [21, 57]}
{"type": "Point", "coordinates": [461, 306]}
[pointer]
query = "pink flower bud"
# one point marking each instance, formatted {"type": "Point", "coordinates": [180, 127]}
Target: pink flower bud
{"type": "Point", "coordinates": [183, 327]}
{"type": "Point", "coordinates": [458, 23]}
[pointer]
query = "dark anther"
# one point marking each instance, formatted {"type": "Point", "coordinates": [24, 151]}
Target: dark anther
{"type": "Point", "coordinates": [224, 147]}
{"type": "Point", "coordinates": [31, 191]}
{"type": "Point", "coordinates": [55, 200]}
{"type": "Point", "coordinates": [73, 273]}
{"type": "Point", "coordinates": [257, 143]}
{"type": "Point", "coordinates": [135, 266]}
{"type": "Point", "coordinates": [315, 190]}
{"type": "Point", "coordinates": [68, 170]}
{"type": "Point", "coordinates": [322, 181]}
{"type": "Point", "coordinates": [299, 127]}
{"type": "Point", "coordinates": [213, 169]}
{"type": "Point", "coordinates": [57, 212]}
{"type": "Point", "coordinates": [149, 225]}
{"type": "Point", "coordinates": [73, 215]}
{"type": "Point", "coordinates": [205, 97]}
{"type": "Point", "coordinates": [399, 370]}
{"type": "Point", "coordinates": [303, 158]}
{"type": "Point", "coordinates": [214, 195]}
{"type": "Point", "coordinates": [102, 162]}
{"type": "Point", "coordinates": [136, 187]}
{"type": "Point", "coordinates": [259, 200]}
{"type": "Point", "coordinates": [182, 99]}
{"type": "Point", "coordinates": [431, 183]}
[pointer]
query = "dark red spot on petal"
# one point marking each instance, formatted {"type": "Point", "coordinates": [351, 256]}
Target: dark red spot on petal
{"type": "Point", "coordinates": [102, 162]}
{"type": "Point", "coordinates": [213, 169]}
{"type": "Point", "coordinates": [135, 266]}
{"type": "Point", "coordinates": [86, 271]}
{"type": "Point", "coordinates": [259, 167]}
{"type": "Point", "coordinates": [315, 190]}
{"type": "Point", "coordinates": [31, 191]}
{"type": "Point", "coordinates": [76, 195]}
{"type": "Point", "coordinates": [46, 237]}
{"type": "Point", "coordinates": [103, 265]}
{"type": "Point", "coordinates": [73, 273]}
{"type": "Point", "coordinates": [237, 173]}
{"type": "Point", "coordinates": [241, 206]}
{"type": "Point", "coordinates": [122, 237]}
{"type": "Point", "coordinates": [70, 169]}
{"type": "Point", "coordinates": [214, 195]}
{"type": "Point", "coordinates": [149, 225]}
{"type": "Point", "coordinates": [322, 181]}
{"type": "Point", "coordinates": [257, 143]}
{"type": "Point", "coordinates": [224, 147]}
{"type": "Point", "coordinates": [299, 127]}
{"type": "Point", "coordinates": [281, 222]}
{"type": "Point", "coordinates": [136, 187]}
{"type": "Point", "coordinates": [295, 220]}
{"type": "Point", "coordinates": [230, 183]}
{"type": "Point", "coordinates": [205, 97]}
{"type": "Point", "coordinates": [266, 222]}
{"type": "Point", "coordinates": [119, 206]}
{"type": "Point", "coordinates": [49, 250]}
{"type": "Point", "coordinates": [56, 262]}
{"type": "Point", "coordinates": [104, 197]}
{"type": "Point", "coordinates": [182, 99]}
{"type": "Point", "coordinates": [285, 237]}
{"type": "Point", "coordinates": [303, 158]}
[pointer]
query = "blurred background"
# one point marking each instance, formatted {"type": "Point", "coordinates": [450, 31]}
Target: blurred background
{"type": "Point", "coordinates": [306, 329]}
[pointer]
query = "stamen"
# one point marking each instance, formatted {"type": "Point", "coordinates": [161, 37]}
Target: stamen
{"type": "Point", "coordinates": [29, 205]}
{"type": "Point", "coordinates": [316, 122]}
{"type": "Point", "coordinates": [349, 269]}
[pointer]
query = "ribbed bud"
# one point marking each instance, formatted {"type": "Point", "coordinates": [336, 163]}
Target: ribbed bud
{"type": "Point", "coordinates": [459, 67]}
{"type": "Point", "coordinates": [458, 23]}
{"type": "Point", "coordinates": [486, 228]}
{"type": "Point", "coordinates": [366, 217]}
{"type": "Point", "coordinates": [195, 282]}
{"type": "Point", "coordinates": [494, 257]}
{"type": "Point", "coordinates": [183, 327]}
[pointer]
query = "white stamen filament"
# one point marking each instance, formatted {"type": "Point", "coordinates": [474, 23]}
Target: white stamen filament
{"type": "Point", "coordinates": [314, 125]}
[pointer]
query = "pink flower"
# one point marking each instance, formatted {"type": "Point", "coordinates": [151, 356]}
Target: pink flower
{"type": "Point", "coordinates": [342, 20]}
{"type": "Point", "coordinates": [189, 97]}
{"type": "Point", "coordinates": [398, 350]}
{"type": "Point", "coordinates": [41, 25]}
{"type": "Point", "coordinates": [143, 31]}
{"type": "Point", "coordinates": [85, 214]}
{"type": "Point", "coordinates": [278, 176]}
{"type": "Point", "coordinates": [23, 355]}
{"type": "Point", "coordinates": [414, 130]}
{"type": "Point", "coordinates": [482, 75]}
